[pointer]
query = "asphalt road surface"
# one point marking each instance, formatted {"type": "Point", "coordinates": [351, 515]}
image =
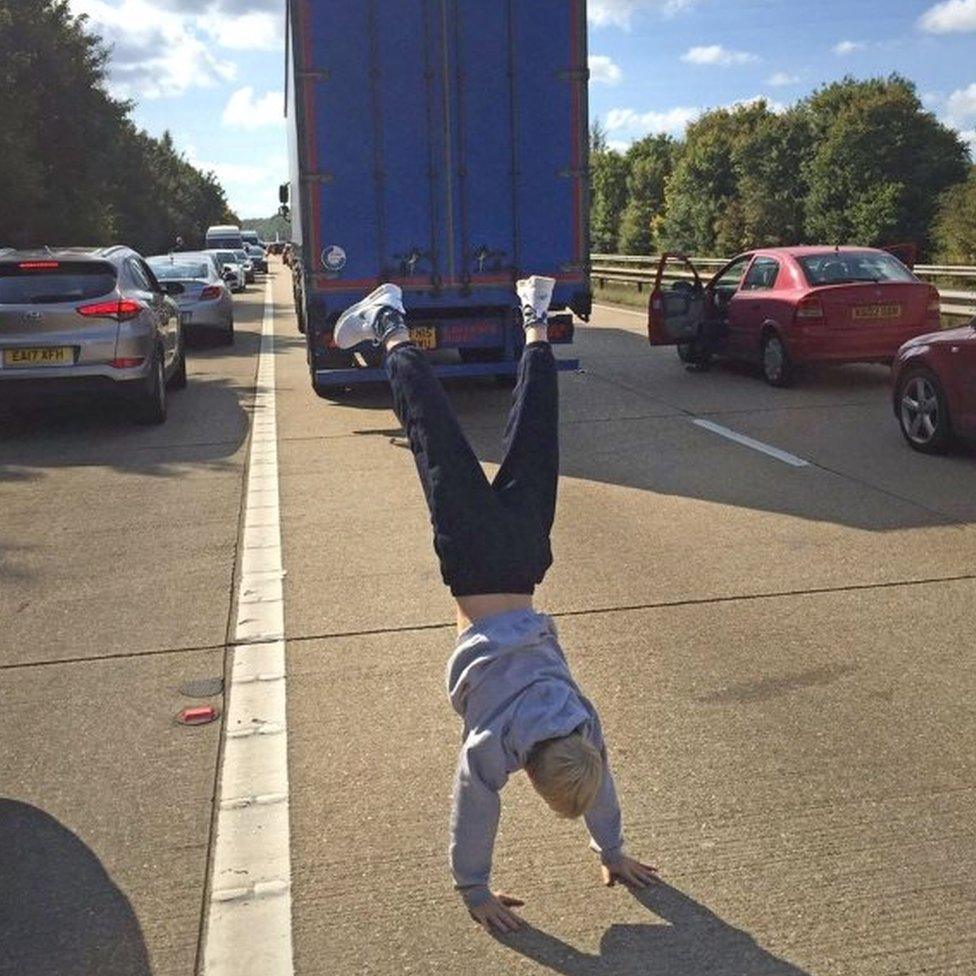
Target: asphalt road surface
{"type": "Point", "coordinates": [778, 633]}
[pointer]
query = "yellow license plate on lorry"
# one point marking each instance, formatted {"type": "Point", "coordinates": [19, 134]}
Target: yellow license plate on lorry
{"type": "Point", "coordinates": [873, 312]}
{"type": "Point", "coordinates": [48, 356]}
{"type": "Point", "coordinates": [424, 336]}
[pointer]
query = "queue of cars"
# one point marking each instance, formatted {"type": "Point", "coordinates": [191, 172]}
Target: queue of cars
{"type": "Point", "coordinates": [788, 307]}
{"type": "Point", "coordinates": [108, 321]}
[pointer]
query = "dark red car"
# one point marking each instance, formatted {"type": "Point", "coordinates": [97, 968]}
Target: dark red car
{"type": "Point", "coordinates": [786, 307]}
{"type": "Point", "coordinates": [935, 388]}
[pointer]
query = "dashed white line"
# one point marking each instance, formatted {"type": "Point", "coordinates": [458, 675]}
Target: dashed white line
{"type": "Point", "coordinates": [773, 452]}
{"type": "Point", "coordinates": [248, 929]}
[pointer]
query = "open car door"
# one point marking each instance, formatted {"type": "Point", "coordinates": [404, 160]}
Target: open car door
{"type": "Point", "coordinates": [675, 311]}
{"type": "Point", "coordinates": [906, 253]}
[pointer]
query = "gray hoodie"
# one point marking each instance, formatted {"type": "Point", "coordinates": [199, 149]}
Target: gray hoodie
{"type": "Point", "coordinates": [509, 680]}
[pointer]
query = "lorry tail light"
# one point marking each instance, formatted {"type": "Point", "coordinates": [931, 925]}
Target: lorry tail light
{"type": "Point", "coordinates": [809, 310]}
{"type": "Point", "coordinates": [935, 301]}
{"type": "Point", "coordinates": [210, 293]}
{"type": "Point", "coordinates": [121, 310]}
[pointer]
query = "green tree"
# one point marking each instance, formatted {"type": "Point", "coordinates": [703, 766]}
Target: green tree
{"type": "Point", "coordinates": [74, 168]}
{"type": "Point", "coordinates": [771, 185]}
{"type": "Point", "coordinates": [649, 163]}
{"type": "Point", "coordinates": [608, 191]}
{"type": "Point", "coordinates": [954, 229]}
{"type": "Point", "coordinates": [704, 212]}
{"type": "Point", "coordinates": [878, 165]}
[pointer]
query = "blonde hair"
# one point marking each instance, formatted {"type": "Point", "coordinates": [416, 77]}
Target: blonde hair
{"type": "Point", "coordinates": [567, 773]}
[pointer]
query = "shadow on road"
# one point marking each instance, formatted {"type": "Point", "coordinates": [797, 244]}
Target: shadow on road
{"type": "Point", "coordinates": [650, 444]}
{"type": "Point", "coordinates": [691, 941]}
{"type": "Point", "coordinates": [60, 912]}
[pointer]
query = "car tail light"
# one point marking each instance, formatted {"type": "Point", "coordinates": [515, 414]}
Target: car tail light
{"type": "Point", "coordinates": [935, 305]}
{"type": "Point", "coordinates": [38, 265]}
{"type": "Point", "coordinates": [122, 310]}
{"type": "Point", "coordinates": [210, 293]}
{"type": "Point", "coordinates": [128, 362]}
{"type": "Point", "coordinates": [809, 310]}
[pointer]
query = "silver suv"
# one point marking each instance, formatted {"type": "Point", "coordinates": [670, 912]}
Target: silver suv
{"type": "Point", "coordinates": [91, 318]}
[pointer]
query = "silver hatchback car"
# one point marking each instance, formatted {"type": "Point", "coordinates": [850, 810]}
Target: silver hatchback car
{"type": "Point", "coordinates": [192, 280]}
{"type": "Point", "coordinates": [89, 318]}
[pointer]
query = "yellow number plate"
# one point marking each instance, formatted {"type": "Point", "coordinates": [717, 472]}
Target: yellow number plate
{"type": "Point", "coordinates": [424, 336]}
{"type": "Point", "coordinates": [876, 311]}
{"type": "Point", "coordinates": [51, 356]}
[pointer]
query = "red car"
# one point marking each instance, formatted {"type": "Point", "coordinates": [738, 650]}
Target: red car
{"type": "Point", "coordinates": [786, 307]}
{"type": "Point", "coordinates": [935, 388]}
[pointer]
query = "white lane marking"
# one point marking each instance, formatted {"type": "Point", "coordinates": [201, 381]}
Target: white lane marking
{"type": "Point", "coordinates": [249, 911]}
{"type": "Point", "coordinates": [773, 452]}
{"type": "Point", "coordinates": [617, 308]}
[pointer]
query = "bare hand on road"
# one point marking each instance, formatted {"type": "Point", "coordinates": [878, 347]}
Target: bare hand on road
{"type": "Point", "coordinates": [632, 873]}
{"type": "Point", "coordinates": [494, 914]}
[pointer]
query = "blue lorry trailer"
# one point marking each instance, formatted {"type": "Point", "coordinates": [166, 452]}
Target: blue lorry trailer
{"type": "Point", "coordinates": [442, 145]}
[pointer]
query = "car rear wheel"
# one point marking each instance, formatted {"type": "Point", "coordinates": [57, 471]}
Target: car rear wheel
{"type": "Point", "coordinates": [776, 365]}
{"type": "Point", "coordinates": [923, 413]}
{"type": "Point", "coordinates": [227, 336]}
{"type": "Point", "coordinates": [151, 403]}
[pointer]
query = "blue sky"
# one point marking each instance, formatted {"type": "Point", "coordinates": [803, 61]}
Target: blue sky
{"type": "Point", "coordinates": [211, 71]}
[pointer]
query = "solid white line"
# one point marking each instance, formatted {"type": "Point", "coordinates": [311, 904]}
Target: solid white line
{"type": "Point", "coordinates": [249, 911]}
{"type": "Point", "coordinates": [773, 452]}
{"type": "Point", "coordinates": [617, 308]}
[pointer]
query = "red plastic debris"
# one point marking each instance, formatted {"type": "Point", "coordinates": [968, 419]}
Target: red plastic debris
{"type": "Point", "coordinates": [199, 715]}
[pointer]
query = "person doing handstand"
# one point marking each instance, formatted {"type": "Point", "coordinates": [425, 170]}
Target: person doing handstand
{"type": "Point", "coordinates": [508, 677]}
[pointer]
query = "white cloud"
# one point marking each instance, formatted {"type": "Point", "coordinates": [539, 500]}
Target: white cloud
{"type": "Point", "coordinates": [716, 54]}
{"type": "Point", "coordinates": [950, 17]}
{"type": "Point", "coordinates": [777, 108]}
{"type": "Point", "coordinates": [604, 70]}
{"type": "Point", "coordinates": [244, 111]}
{"type": "Point", "coordinates": [960, 113]}
{"type": "Point", "coordinates": [256, 30]}
{"type": "Point", "coordinates": [848, 47]}
{"type": "Point", "coordinates": [673, 121]}
{"type": "Point", "coordinates": [779, 78]}
{"type": "Point", "coordinates": [155, 52]}
{"type": "Point", "coordinates": [630, 124]}
{"type": "Point", "coordinates": [620, 13]}
{"type": "Point", "coordinates": [252, 188]}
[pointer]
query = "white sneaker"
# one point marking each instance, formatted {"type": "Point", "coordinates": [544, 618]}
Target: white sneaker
{"type": "Point", "coordinates": [360, 322]}
{"type": "Point", "coordinates": [535, 294]}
